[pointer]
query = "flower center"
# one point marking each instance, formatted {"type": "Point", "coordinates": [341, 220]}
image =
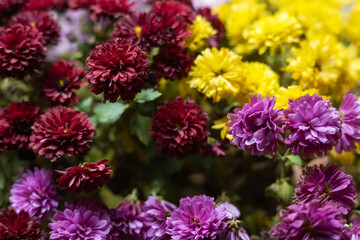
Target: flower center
{"type": "Point", "coordinates": [61, 83]}
{"type": "Point", "coordinates": [137, 31]}
{"type": "Point", "coordinates": [317, 65]}
{"type": "Point", "coordinates": [23, 127]}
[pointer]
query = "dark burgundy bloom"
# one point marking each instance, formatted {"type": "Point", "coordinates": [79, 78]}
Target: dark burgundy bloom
{"type": "Point", "coordinates": [3, 126]}
{"type": "Point", "coordinates": [187, 2]}
{"type": "Point", "coordinates": [75, 4]}
{"type": "Point", "coordinates": [215, 148]}
{"type": "Point", "coordinates": [40, 5]}
{"type": "Point", "coordinates": [61, 82]}
{"type": "Point", "coordinates": [9, 7]}
{"type": "Point", "coordinates": [214, 19]}
{"type": "Point", "coordinates": [85, 178]}
{"type": "Point", "coordinates": [173, 8]}
{"type": "Point", "coordinates": [173, 29]}
{"type": "Point", "coordinates": [118, 68]}
{"type": "Point", "coordinates": [141, 29]}
{"type": "Point", "coordinates": [62, 131]}
{"type": "Point", "coordinates": [17, 123]}
{"type": "Point", "coordinates": [42, 21]}
{"type": "Point", "coordinates": [15, 226]}
{"type": "Point", "coordinates": [21, 50]}
{"type": "Point", "coordinates": [172, 62]}
{"type": "Point", "coordinates": [112, 8]}
{"type": "Point", "coordinates": [179, 128]}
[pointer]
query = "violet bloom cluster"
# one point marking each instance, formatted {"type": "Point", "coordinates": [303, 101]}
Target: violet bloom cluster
{"type": "Point", "coordinates": [35, 193]}
{"type": "Point", "coordinates": [256, 127]}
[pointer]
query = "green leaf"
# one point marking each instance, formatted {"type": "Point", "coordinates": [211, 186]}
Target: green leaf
{"type": "Point", "coordinates": [141, 127]}
{"type": "Point", "coordinates": [85, 105]}
{"type": "Point", "coordinates": [108, 113]}
{"type": "Point", "coordinates": [2, 180]}
{"type": "Point", "coordinates": [147, 95]}
{"type": "Point", "coordinates": [293, 159]}
{"type": "Point", "coordinates": [283, 190]}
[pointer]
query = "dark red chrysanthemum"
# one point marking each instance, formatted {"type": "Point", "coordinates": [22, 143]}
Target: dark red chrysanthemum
{"type": "Point", "coordinates": [173, 8]}
{"type": "Point", "coordinates": [61, 82]}
{"type": "Point", "coordinates": [214, 19]}
{"type": "Point", "coordinates": [8, 8]}
{"type": "Point", "coordinates": [43, 21]}
{"type": "Point", "coordinates": [75, 4]}
{"type": "Point", "coordinates": [179, 128]}
{"type": "Point", "coordinates": [17, 127]}
{"type": "Point", "coordinates": [85, 178]}
{"type": "Point", "coordinates": [173, 30]}
{"type": "Point", "coordinates": [21, 50]}
{"type": "Point", "coordinates": [172, 62]}
{"type": "Point", "coordinates": [3, 126]}
{"type": "Point", "coordinates": [141, 29]}
{"type": "Point", "coordinates": [39, 5]}
{"type": "Point", "coordinates": [187, 2]}
{"type": "Point", "coordinates": [15, 226]}
{"type": "Point", "coordinates": [62, 131]}
{"type": "Point", "coordinates": [118, 68]}
{"type": "Point", "coordinates": [111, 8]}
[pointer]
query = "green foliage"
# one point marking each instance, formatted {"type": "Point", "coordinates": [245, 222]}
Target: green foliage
{"type": "Point", "coordinates": [147, 95]}
{"type": "Point", "coordinates": [140, 126]}
{"type": "Point", "coordinates": [108, 113]}
{"type": "Point", "coordinates": [293, 159]}
{"type": "Point", "coordinates": [283, 190]}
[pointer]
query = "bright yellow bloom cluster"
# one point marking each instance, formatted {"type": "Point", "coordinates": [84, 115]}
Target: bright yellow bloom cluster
{"type": "Point", "coordinates": [292, 92]}
{"type": "Point", "coordinates": [201, 30]}
{"type": "Point", "coordinates": [352, 26]}
{"type": "Point", "coordinates": [271, 32]}
{"type": "Point", "coordinates": [217, 73]}
{"type": "Point", "coordinates": [343, 158]}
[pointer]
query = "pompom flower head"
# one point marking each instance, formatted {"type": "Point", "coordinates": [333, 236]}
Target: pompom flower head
{"type": "Point", "coordinates": [256, 127]}
{"type": "Point", "coordinates": [350, 123]}
{"type": "Point", "coordinates": [352, 232]}
{"type": "Point", "coordinates": [179, 127]}
{"type": "Point", "coordinates": [85, 178]}
{"type": "Point", "coordinates": [19, 226]}
{"type": "Point", "coordinates": [234, 231]}
{"type": "Point", "coordinates": [62, 131]}
{"type": "Point", "coordinates": [118, 68]}
{"type": "Point", "coordinates": [309, 221]}
{"type": "Point", "coordinates": [110, 8]}
{"type": "Point", "coordinates": [34, 193]}
{"type": "Point", "coordinates": [314, 125]}
{"type": "Point", "coordinates": [21, 50]}
{"type": "Point", "coordinates": [61, 82]}
{"type": "Point", "coordinates": [327, 184]}
{"type": "Point", "coordinates": [196, 218]}
{"type": "Point", "coordinates": [81, 219]}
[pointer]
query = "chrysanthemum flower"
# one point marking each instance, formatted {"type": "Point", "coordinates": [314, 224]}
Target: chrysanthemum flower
{"type": "Point", "coordinates": [8, 8]}
{"type": "Point", "coordinates": [173, 29]}
{"type": "Point", "coordinates": [42, 21]}
{"type": "Point", "coordinates": [234, 231]}
{"type": "Point", "coordinates": [118, 68]}
{"type": "Point", "coordinates": [314, 125]}
{"type": "Point", "coordinates": [217, 73]}
{"type": "Point", "coordinates": [309, 221]}
{"type": "Point", "coordinates": [62, 131]}
{"type": "Point", "coordinates": [3, 126]}
{"type": "Point", "coordinates": [291, 92]}
{"type": "Point", "coordinates": [196, 218]}
{"type": "Point", "coordinates": [155, 213]}
{"type": "Point", "coordinates": [172, 62]}
{"type": "Point", "coordinates": [221, 124]}
{"type": "Point", "coordinates": [61, 82]}
{"type": "Point", "coordinates": [214, 41]}
{"type": "Point", "coordinates": [19, 226]}
{"type": "Point", "coordinates": [81, 219]}
{"type": "Point", "coordinates": [40, 5]}
{"type": "Point", "coordinates": [352, 232]}
{"type": "Point", "coordinates": [76, 4]}
{"type": "Point", "coordinates": [179, 127]}
{"type": "Point", "coordinates": [21, 50]}
{"type": "Point", "coordinates": [17, 124]}
{"type": "Point", "coordinates": [271, 32]}
{"type": "Point", "coordinates": [256, 127]}
{"type": "Point", "coordinates": [34, 193]}
{"type": "Point", "coordinates": [173, 8]}
{"type": "Point", "coordinates": [110, 8]}
{"type": "Point", "coordinates": [327, 184]}
{"type": "Point", "coordinates": [201, 31]}
{"type": "Point", "coordinates": [85, 178]}
{"type": "Point", "coordinates": [350, 123]}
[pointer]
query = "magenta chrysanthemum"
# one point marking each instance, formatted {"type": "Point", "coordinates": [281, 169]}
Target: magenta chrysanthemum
{"type": "Point", "coordinates": [256, 127]}
{"type": "Point", "coordinates": [62, 131]}
{"type": "Point", "coordinates": [314, 125]}
{"type": "Point", "coordinates": [21, 50]}
{"type": "Point", "coordinates": [179, 128]}
{"type": "Point", "coordinates": [196, 218]}
{"type": "Point", "coordinates": [118, 68]}
{"type": "Point", "coordinates": [352, 232]}
{"type": "Point", "coordinates": [34, 193]}
{"type": "Point", "coordinates": [327, 184]}
{"type": "Point", "coordinates": [309, 221]}
{"type": "Point", "coordinates": [350, 123]}
{"type": "Point", "coordinates": [233, 231]}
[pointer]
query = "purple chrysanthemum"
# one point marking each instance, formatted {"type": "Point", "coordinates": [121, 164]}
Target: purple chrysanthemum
{"type": "Point", "coordinates": [82, 219]}
{"type": "Point", "coordinates": [155, 214]}
{"type": "Point", "coordinates": [34, 193]}
{"type": "Point", "coordinates": [196, 218]}
{"type": "Point", "coordinates": [327, 184]}
{"type": "Point", "coordinates": [314, 125]}
{"type": "Point", "coordinates": [234, 231]}
{"type": "Point", "coordinates": [256, 127]}
{"type": "Point", "coordinates": [309, 221]}
{"type": "Point", "coordinates": [350, 123]}
{"type": "Point", "coordinates": [352, 232]}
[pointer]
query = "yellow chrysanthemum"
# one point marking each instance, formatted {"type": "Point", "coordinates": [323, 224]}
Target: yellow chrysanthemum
{"type": "Point", "coordinates": [352, 29]}
{"type": "Point", "coordinates": [201, 30]}
{"type": "Point", "coordinates": [220, 124]}
{"type": "Point", "coordinates": [317, 63]}
{"type": "Point", "coordinates": [343, 158]}
{"type": "Point", "coordinates": [259, 78]}
{"type": "Point", "coordinates": [271, 32]}
{"type": "Point", "coordinates": [292, 92]}
{"type": "Point", "coordinates": [217, 73]}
